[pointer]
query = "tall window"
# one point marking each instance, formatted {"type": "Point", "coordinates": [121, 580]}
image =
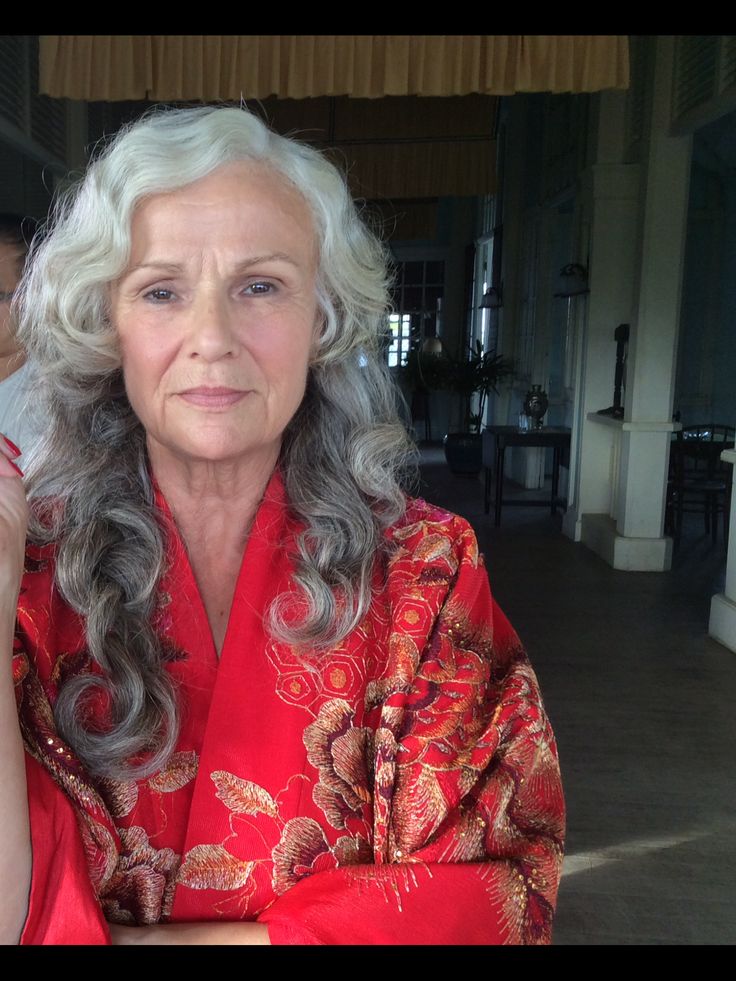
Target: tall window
{"type": "Point", "coordinates": [417, 300]}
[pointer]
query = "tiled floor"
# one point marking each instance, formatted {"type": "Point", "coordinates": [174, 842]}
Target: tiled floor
{"type": "Point", "coordinates": [643, 703]}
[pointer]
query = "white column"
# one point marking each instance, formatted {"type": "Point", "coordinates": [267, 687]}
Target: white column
{"type": "Point", "coordinates": [647, 428]}
{"type": "Point", "coordinates": [624, 523]}
{"type": "Point", "coordinates": [722, 623]}
{"type": "Point", "coordinates": [611, 205]}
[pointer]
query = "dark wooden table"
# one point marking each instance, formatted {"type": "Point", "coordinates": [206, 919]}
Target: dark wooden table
{"type": "Point", "coordinates": [558, 437]}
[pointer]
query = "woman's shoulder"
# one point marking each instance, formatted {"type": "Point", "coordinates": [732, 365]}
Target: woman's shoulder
{"type": "Point", "coordinates": [428, 537]}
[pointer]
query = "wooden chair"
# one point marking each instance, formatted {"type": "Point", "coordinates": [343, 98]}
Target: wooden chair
{"type": "Point", "coordinates": [699, 481]}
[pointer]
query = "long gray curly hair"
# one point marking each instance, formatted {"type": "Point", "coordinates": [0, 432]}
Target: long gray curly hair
{"type": "Point", "coordinates": [343, 459]}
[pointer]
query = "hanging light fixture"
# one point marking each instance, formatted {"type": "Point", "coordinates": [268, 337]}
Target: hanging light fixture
{"type": "Point", "coordinates": [492, 299]}
{"type": "Point", "coordinates": [572, 280]}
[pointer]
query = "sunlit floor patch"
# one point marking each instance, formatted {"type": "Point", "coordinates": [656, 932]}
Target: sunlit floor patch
{"type": "Point", "coordinates": [586, 861]}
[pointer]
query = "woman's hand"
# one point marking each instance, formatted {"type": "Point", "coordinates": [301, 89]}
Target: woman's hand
{"type": "Point", "coordinates": [15, 838]}
{"type": "Point", "coordinates": [13, 525]}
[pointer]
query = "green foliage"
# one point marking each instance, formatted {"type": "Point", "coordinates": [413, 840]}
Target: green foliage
{"type": "Point", "coordinates": [480, 372]}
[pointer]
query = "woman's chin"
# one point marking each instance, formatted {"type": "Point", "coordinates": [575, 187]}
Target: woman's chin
{"type": "Point", "coordinates": [214, 450]}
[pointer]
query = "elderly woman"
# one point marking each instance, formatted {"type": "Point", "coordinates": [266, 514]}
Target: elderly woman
{"type": "Point", "coordinates": [264, 696]}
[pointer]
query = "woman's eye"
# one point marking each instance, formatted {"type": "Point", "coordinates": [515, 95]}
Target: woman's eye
{"type": "Point", "coordinates": [159, 295]}
{"type": "Point", "coordinates": [258, 289]}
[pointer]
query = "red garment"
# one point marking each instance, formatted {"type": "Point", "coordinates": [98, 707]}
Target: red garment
{"type": "Point", "coordinates": [403, 789]}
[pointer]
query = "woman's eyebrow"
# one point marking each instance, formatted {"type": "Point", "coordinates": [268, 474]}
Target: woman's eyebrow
{"type": "Point", "coordinates": [163, 265]}
{"type": "Point", "coordinates": [268, 257]}
{"type": "Point", "coordinates": [155, 266]}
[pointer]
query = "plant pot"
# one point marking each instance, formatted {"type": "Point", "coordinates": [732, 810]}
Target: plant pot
{"type": "Point", "coordinates": [464, 453]}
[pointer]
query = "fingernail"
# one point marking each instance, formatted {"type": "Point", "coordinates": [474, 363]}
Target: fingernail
{"type": "Point", "coordinates": [13, 447]}
{"type": "Point", "coordinates": [16, 468]}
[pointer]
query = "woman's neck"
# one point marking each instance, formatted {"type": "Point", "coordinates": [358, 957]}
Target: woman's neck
{"type": "Point", "coordinates": [214, 505]}
{"type": "Point", "coordinates": [209, 498]}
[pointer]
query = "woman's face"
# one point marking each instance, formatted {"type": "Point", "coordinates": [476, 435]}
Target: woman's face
{"type": "Point", "coordinates": [11, 260]}
{"type": "Point", "coordinates": [217, 315]}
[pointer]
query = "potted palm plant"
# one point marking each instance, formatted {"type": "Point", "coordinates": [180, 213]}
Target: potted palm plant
{"type": "Point", "coordinates": [477, 374]}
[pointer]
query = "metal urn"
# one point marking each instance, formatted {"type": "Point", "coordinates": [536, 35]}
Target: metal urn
{"type": "Point", "coordinates": [536, 404]}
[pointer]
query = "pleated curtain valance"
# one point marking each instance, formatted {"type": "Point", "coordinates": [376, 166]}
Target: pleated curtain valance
{"type": "Point", "coordinates": [208, 67]}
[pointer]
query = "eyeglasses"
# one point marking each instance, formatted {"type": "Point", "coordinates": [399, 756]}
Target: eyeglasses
{"type": "Point", "coordinates": [6, 296]}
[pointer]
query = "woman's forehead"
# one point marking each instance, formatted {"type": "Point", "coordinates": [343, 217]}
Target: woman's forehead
{"type": "Point", "coordinates": [245, 199]}
{"type": "Point", "coordinates": [236, 180]}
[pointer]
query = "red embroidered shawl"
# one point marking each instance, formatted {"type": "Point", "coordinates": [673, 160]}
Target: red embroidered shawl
{"type": "Point", "coordinates": [404, 789]}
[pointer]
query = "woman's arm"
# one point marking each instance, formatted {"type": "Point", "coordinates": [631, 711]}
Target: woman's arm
{"type": "Point", "coordinates": [192, 933]}
{"type": "Point", "coordinates": [15, 841]}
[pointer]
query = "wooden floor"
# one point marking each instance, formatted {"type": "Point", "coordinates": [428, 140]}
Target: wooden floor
{"type": "Point", "coordinates": [644, 707]}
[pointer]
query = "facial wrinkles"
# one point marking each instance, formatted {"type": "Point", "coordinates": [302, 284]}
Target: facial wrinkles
{"type": "Point", "coordinates": [210, 331]}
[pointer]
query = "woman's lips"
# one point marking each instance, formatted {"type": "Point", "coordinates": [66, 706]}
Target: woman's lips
{"type": "Point", "coordinates": [213, 398]}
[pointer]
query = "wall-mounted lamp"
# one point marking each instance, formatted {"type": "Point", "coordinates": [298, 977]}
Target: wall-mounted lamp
{"type": "Point", "coordinates": [492, 299]}
{"type": "Point", "coordinates": [572, 280]}
{"type": "Point", "coordinates": [431, 345]}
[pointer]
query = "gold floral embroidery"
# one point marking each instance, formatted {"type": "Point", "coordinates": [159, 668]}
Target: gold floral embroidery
{"type": "Point", "coordinates": [213, 867]}
{"type": "Point", "coordinates": [100, 850]}
{"type": "Point", "coordinates": [435, 547]}
{"type": "Point", "coordinates": [181, 768]}
{"type": "Point", "coordinates": [242, 796]}
{"type": "Point", "coordinates": [516, 888]}
{"type": "Point", "coordinates": [141, 889]}
{"type": "Point", "coordinates": [465, 769]}
{"type": "Point", "coordinates": [417, 816]}
{"type": "Point", "coordinates": [339, 751]}
{"type": "Point", "coordinates": [302, 844]}
{"type": "Point", "coordinates": [468, 841]}
{"type": "Point", "coordinates": [121, 796]}
{"type": "Point", "coordinates": [352, 850]}
{"type": "Point", "coordinates": [45, 745]}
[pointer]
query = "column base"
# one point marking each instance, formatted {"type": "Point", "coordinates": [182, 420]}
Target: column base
{"type": "Point", "coordinates": [722, 623]}
{"type": "Point", "coordinates": [628, 554]}
{"type": "Point", "coordinates": [572, 524]}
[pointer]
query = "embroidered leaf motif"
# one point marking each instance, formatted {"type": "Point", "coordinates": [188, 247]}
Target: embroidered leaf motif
{"type": "Point", "coordinates": [242, 796]}
{"type": "Point", "coordinates": [213, 867]}
{"type": "Point", "coordinates": [181, 768]}
{"type": "Point", "coordinates": [408, 531]}
{"type": "Point", "coordinates": [121, 796]}
{"type": "Point", "coordinates": [433, 547]}
{"type": "Point", "coordinates": [100, 851]}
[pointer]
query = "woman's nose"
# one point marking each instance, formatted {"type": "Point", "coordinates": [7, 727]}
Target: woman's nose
{"type": "Point", "coordinates": [211, 335]}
